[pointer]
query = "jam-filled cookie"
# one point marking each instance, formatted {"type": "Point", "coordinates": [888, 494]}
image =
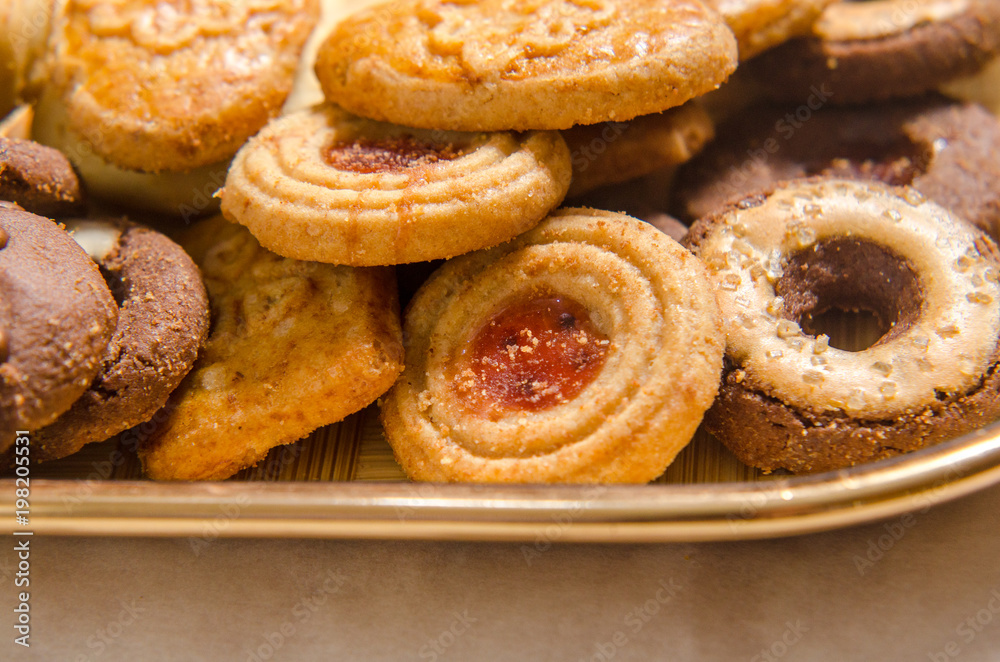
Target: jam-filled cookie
{"type": "Point", "coordinates": [614, 152]}
{"type": "Point", "coordinates": [763, 24]}
{"type": "Point", "coordinates": [328, 186]}
{"type": "Point", "coordinates": [523, 64]}
{"type": "Point", "coordinates": [162, 323]}
{"type": "Point", "coordinates": [586, 350]}
{"type": "Point", "coordinates": [56, 318]}
{"type": "Point", "coordinates": [293, 346]}
{"type": "Point", "coordinates": [38, 178]}
{"type": "Point", "coordinates": [946, 150]}
{"type": "Point", "coordinates": [876, 50]}
{"type": "Point", "coordinates": [783, 259]}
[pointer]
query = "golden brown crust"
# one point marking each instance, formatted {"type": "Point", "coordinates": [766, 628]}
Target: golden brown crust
{"type": "Point", "coordinates": [171, 86]}
{"type": "Point", "coordinates": [293, 346]}
{"type": "Point", "coordinates": [649, 298]}
{"type": "Point", "coordinates": [498, 65]}
{"type": "Point", "coordinates": [763, 24]}
{"type": "Point", "coordinates": [615, 152]}
{"type": "Point", "coordinates": [329, 186]}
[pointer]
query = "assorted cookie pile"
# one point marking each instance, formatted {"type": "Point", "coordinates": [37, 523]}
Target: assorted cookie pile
{"type": "Point", "coordinates": [550, 344]}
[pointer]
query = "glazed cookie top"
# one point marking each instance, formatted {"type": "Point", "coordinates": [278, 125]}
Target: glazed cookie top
{"type": "Point", "coordinates": [941, 273]}
{"type": "Point", "coordinates": [852, 20]}
{"type": "Point", "coordinates": [523, 64]}
{"type": "Point", "coordinates": [154, 86]}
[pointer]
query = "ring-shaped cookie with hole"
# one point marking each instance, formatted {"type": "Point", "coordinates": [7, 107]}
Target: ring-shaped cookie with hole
{"type": "Point", "coordinates": [332, 187]}
{"type": "Point", "coordinates": [523, 64]}
{"type": "Point", "coordinates": [782, 259]}
{"type": "Point", "coordinates": [882, 49]}
{"type": "Point", "coordinates": [587, 350]}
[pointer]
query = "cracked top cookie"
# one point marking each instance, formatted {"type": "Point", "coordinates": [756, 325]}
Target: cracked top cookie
{"type": "Point", "coordinates": [524, 64]}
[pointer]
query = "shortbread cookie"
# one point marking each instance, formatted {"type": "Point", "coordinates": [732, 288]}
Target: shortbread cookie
{"type": "Point", "coordinates": [325, 185]}
{"type": "Point", "coordinates": [946, 150]}
{"type": "Point", "coordinates": [586, 350]}
{"type": "Point", "coordinates": [24, 34]}
{"type": "Point", "coordinates": [614, 152]}
{"type": "Point", "coordinates": [763, 24]}
{"type": "Point", "coordinates": [293, 346]}
{"type": "Point", "coordinates": [173, 85]}
{"type": "Point", "coordinates": [869, 51]}
{"type": "Point", "coordinates": [38, 178]}
{"type": "Point", "coordinates": [56, 318]}
{"type": "Point", "coordinates": [782, 259]}
{"type": "Point", "coordinates": [162, 323]}
{"type": "Point", "coordinates": [523, 64]}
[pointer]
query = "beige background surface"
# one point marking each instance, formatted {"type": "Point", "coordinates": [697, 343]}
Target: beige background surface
{"type": "Point", "coordinates": [935, 582]}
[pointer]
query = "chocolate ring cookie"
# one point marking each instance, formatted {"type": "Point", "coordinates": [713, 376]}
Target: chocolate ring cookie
{"type": "Point", "coordinates": [791, 400]}
{"type": "Point", "coordinates": [38, 178]}
{"type": "Point", "coordinates": [585, 350]}
{"type": "Point", "coordinates": [328, 186]}
{"type": "Point", "coordinates": [56, 318]}
{"type": "Point", "coordinates": [498, 65]}
{"type": "Point", "coordinates": [162, 323]}
{"type": "Point", "coordinates": [293, 346]}
{"type": "Point", "coordinates": [615, 152]}
{"type": "Point", "coordinates": [945, 150]}
{"type": "Point", "coordinates": [870, 51]}
{"type": "Point", "coordinates": [763, 24]}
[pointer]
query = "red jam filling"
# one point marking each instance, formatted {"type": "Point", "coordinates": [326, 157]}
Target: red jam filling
{"type": "Point", "coordinates": [531, 356]}
{"type": "Point", "coordinates": [386, 155]}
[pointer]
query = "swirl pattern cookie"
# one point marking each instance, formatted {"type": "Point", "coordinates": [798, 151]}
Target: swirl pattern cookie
{"type": "Point", "coordinates": [162, 323]}
{"type": "Point", "coordinates": [871, 51]}
{"type": "Point", "coordinates": [945, 150]}
{"type": "Point", "coordinates": [325, 185]}
{"type": "Point", "coordinates": [172, 85]}
{"type": "Point", "coordinates": [791, 400]}
{"type": "Point", "coordinates": [586, 350]}
{"type": "Point", "coordinates": [523, 64]}
{"type": "Point", "coordinates": [56, 318]}
{"type": "Point", "coordinates": [293, 346]}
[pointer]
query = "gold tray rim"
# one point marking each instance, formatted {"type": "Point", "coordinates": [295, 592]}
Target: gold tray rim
{"type": "Point", "coordinates": [527, 513]}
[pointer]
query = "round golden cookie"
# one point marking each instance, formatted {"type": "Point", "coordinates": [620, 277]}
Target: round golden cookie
{"type": "Point", "coordinates": [328, 186]}
{"type": "Point", "coordinates": [763, 24]}
{"type": "Point", "coordinates": [173, 85]}
{"type": "Point", "coordinates": [293, 346]}
{"type": "Point", "coordinates": [614, 152]}
{"type": "Point", "coordinates": [587, 350]}
{"type": "Point", "coordinates": [523, 64]}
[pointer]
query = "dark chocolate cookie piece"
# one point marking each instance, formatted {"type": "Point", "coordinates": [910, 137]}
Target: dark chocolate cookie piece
{"type": "Point", "coordinates": [38, 178]}
{"type": "Point", "coordinates": [56, 319]}
{"type": "Point", "coordinates": [944, 149]}
{"type": "Point", "coordinates": [162, 325]}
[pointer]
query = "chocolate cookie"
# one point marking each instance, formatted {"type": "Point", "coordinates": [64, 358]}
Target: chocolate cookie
{"type": "Point", "coordinates": [868, 51]}
{"type": "Point", "coordinates": [945, 150]}
{"type": "Point", "coordinates": [38, 178]}
{"type": "Point", "coordinates": [162, 323]}
{"type": "Point", "coordinates": [782, 260]}
{"type": "Point", "coordinates": [56, 318]}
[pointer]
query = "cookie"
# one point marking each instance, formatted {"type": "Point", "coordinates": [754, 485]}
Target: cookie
{"type": "Point", "coordinates": [38, 178]}
{"type": "Point", "coordinates": [982, 88]}
{"type": "Point", "coordinates": [586, 350]}
{"type": "Point", "coordinates": [784, 258]}
{"type": "Point", "coordinates": [56, 319]}
{"type": "Point", "coordinates": [523, 64]}
{"type": "Point", "coordinates": [293, 346]}
{"type": "Point", "coordinates": [871, 51]}
{"type": "Point", "coordinates": [173, 86]}
{"type": "Point", "coordinates": [763, 24]}
{"type": "Point", "coordinates": [162, 323]}
{"type": "Point", "coordinates": [325, 185]}
{"type": "Point", "coordinates": [945, 150]}
{"type": "Point", "coordinates": [614, 152]}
